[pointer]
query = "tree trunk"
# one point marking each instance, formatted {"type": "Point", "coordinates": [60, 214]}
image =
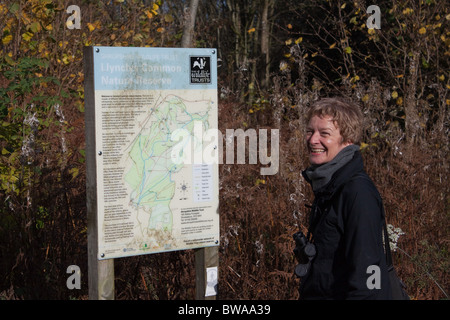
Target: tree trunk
{"type": "Point", "coordinates": [265, 43]}
{"type": "Point", "coordinates": [412, 123]}
{"type": "Point", "coordinates": [189, 22]}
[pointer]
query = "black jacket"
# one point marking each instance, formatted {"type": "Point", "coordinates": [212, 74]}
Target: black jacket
{"type": "Point", "coordinates": [346, 224]}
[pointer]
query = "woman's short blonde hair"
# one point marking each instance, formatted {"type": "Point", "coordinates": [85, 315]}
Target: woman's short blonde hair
{"type": "Point", "coordinates": [346, 116]}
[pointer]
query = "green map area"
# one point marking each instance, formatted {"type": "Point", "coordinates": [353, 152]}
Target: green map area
{"type": "Point", "coordinates": [151, 176]}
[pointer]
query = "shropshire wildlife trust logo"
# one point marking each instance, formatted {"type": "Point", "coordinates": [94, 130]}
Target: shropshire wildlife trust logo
{"type": "Point", "coordinates": [200, 69]}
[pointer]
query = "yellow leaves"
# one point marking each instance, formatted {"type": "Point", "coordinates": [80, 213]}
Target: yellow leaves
{"type": "Point", "coordinates": [260, 181]}
{"type": "Point", "coordinates": [152, 12]}
{"type": "Point", "coordinates": [332, 46]}
{"type": "Point", "coordinates": [148, 14]}
{"type": "Point", "coordinates": [93, 26]}
{"type": "Point", "coordinates": [9, 60]}
{"type": "Point", "coordinates": [408, 11]}
{"type": "Point", "coordinates": [74, 172]}
{"type": "Point", "coordinates": [348, 50]}
{"type": "Point", "coordinates": [289, 26]}
{"type": "Point", "coordinates": [441, 77]}
{"type": "Point", "coordinates": [298, 40]}
{"type": "Point", "coordinates": [90, 26]}
{"type": "Point", "coordinates": [437, 25]}
{"type": "Point", "coordinates": [26, 20]}
{"type": "Point", "coordinates": [447, 101]}
{"type": "Point", "coordinates": [365, 98]}
{"type": "Point", "coordinates": [160, 29]}
{"type": "Point", "coordinates": [251, 30]}
{"type": "Point", "coordinates": [445, 40]}
{"type": "Point", "coordinates": [399, 100]}
{"type": "Point", "coordinates": [430, 96]}
{"type": "Point", "coordinates": [155, 8]}
{"type": "Point", "coordinates": [168, 18]}
{"type": "Point", "coordinates": [372, 34]}
{"type": "Point", "coordinates": [66, 59]}
{"type": "Point", "coordinates": [7, 39]}
{"type": "Point", "coordinates": [138, 38]}
{"type": "Point", "coordinates": [363, 146]}
{"type": "Point", "coordinates": [354, 79]}
{"type": "Point", "coordinates": [422, 30]}
{"type": "Point", "coordinates": [27, 36]}
{"type": "Point", "coordinates": [3, 9]}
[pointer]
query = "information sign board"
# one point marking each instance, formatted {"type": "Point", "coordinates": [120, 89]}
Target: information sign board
{"type": "Point", "coordinates": [156, 159]}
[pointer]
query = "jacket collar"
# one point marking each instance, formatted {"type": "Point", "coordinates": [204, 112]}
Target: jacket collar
{"type": "Point", "coordinates": [339, 178]}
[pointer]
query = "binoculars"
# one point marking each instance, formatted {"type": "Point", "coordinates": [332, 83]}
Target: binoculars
{"type": "Point", "coordinates": [305, 252]}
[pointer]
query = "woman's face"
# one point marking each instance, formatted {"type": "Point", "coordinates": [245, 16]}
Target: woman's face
{"type": "Point", "coordinates": [323, 139]}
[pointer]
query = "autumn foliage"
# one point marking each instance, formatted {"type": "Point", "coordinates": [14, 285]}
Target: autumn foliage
{"type": "Point", "coordinates": [276, 58]}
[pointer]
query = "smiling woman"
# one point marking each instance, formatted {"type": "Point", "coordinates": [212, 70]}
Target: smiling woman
{"type": "Point", "coordinates": [345, 115]}
{"type": "Point", "coordinates": [332, 125]}
{"type": "Point", "coordinates": [324, 140]}
{"type": "Point", "coordinates": [346, 219]}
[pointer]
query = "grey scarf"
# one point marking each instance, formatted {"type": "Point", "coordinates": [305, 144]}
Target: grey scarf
{"type": "Point", "coordinates": [321, 174]}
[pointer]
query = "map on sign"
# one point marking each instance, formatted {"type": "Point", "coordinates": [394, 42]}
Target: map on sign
{"type": "Point", "coordinates": [155, 191]}
{"type": "Point", "coordinates": [153, 175]}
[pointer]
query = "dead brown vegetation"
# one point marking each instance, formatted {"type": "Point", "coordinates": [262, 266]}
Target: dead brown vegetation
{"type": "Point", "coordinates": [399, 76]}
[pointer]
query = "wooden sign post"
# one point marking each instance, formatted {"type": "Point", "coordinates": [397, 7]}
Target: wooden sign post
{"type": "Point", "coordinates": [206, 259]}
{"type": "Point", "coordinates": [147, 111]}
{"type": "Point", "coordinates": [101, 272]}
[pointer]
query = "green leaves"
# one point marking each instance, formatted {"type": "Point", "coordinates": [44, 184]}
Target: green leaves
{"type": "Point", "coordinates": [24, 96]}
{"type": "Point", "coordinates": [14, 8]}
